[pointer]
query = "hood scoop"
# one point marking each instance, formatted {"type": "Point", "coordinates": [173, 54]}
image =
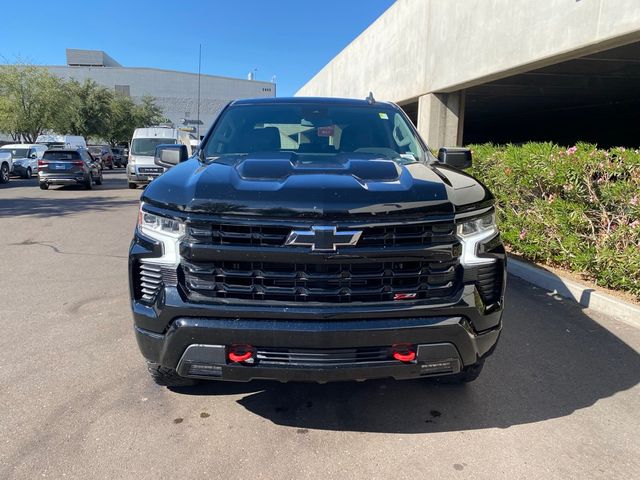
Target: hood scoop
{"type": "Point", "coordinates": [279, 169]}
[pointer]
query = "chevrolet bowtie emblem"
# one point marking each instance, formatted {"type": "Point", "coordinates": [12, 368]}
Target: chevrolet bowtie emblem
{"type": "Point", "coordinates": [323, 239]}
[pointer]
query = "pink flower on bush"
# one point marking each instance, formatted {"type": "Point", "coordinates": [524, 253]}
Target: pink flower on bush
{"type": "Point", "coordinates": [634, 200]}
{"type": "Point", "coordinates": [523, 234]}
{"type": "Point", "coordinates": [635, 224]}
{"type": "Point", "coordinates": [572, 150]}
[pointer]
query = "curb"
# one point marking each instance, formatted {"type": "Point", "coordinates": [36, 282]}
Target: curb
{"type": "Point", "coordinates": [583, 295]}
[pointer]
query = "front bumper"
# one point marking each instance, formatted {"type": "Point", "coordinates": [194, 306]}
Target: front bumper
{"type": "Point", "coordinates": [19, 170]}
{"type": "Point", "coordinates": [196, 347]}
{"type": "Point", "coordinates": [135, 175]}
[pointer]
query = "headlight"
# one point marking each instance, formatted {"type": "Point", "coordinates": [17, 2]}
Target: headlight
{"type": "Point", "coordinates": [167, 226]}
{"type": "Point", "coordinates": [166, 230]}
{"type": "Point", "coordinates": [474, 232]}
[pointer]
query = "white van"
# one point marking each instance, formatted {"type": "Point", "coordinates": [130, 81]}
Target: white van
{"type": "Point", "coordinates": [62, 141]}
{"type": "Point", "coordinates": [141, 168]}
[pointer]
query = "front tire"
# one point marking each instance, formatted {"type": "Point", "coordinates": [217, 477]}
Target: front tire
{"type": "Point", "coordinates": [44, 186]}
{"type": "Point", "coordinates": [28, 173]}
{"type": "Point", "coordinates": [467, 375]}
{"type": "Point", "coordinates": [168, 377]}
{"type": "Point", "coordinates": [99, 179]}
{"type": "Point", "coordinates": [4, 173]}
{"type": "Point", "coordinates": [89, 183]}
{"type": "Point", "coordinates": [133, 186]}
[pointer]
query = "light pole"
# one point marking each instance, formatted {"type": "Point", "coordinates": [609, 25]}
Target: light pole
{"type": "Point", "coordinates": [199, 68]}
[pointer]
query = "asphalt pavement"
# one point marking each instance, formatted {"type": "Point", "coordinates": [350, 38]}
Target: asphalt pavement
{"type": "Point", "coordinates": [559, 399]}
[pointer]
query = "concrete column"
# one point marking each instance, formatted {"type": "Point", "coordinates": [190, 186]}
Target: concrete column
{"type": "Point", "coordinates": [441, 118]}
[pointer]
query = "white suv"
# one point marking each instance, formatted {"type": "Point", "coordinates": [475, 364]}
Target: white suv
{"type": "Point", "coordinates": [25, 157]}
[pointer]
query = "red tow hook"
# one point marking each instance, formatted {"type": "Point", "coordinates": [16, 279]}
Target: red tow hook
{"type": "Point", "coordinates": [404, 353]}
{"type": "Point", "coordinates": [241, 354]}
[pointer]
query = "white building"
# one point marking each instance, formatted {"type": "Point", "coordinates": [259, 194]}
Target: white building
{"type": "Point", "coordinates": [176, 93]}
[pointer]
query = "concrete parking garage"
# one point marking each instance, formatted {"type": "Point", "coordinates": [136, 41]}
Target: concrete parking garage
{"type": "Point", "coordinates": [500, 70]}
{"type": "Point", "coordinates": [558, 400]}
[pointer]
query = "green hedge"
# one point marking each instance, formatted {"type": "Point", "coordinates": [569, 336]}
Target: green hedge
{"type": "Point", "coordinates": [577, 208]}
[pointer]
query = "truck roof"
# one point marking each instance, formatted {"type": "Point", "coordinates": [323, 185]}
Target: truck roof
{"type": "Point", "coordinates": [308, 100]}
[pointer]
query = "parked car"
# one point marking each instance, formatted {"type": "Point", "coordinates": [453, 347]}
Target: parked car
{"type": "Point", "coordinates": [142, 168]}
{"type": "Point", "coordinates": [316, 240]}
{"type": "Point", "coordinates": [63, 141]}
{"type": "Point", "coordinates": [103, 153]}
{"type": "Point", "coordinates": [25, 157]}
{"type": "Point", "coordinates": [119, 157]}
{"type": "Point", "coordinates": [6, 166]}
{"type": "Point", "coordinates": [69, 166]}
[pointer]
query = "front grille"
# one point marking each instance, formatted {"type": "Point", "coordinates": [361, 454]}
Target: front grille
{"type": "Point", "coordinates": [489, 281]}
{"type": "Point", "coordinates": [326, 282]}
{"type": "Point", "coordinates": [323, 358]}
{"type": "Point", "coordinates": [377, 236]}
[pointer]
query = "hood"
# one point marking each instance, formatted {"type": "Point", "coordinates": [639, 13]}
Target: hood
{"type": "Point", "coordinates": [294, 185]}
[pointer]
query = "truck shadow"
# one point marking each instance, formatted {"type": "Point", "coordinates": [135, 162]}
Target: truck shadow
{"type": "Point", "coordinates": [552, 360]}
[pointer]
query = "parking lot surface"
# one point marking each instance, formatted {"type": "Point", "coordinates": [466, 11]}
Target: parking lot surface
{"type": "Point", "coordinates": [559, 398]}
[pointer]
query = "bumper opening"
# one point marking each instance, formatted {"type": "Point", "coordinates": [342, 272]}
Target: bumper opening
{"type": "Point", "coordinates": [318, 365]}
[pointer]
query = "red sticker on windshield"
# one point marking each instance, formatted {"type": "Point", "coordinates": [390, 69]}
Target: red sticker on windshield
{"type": "Point", "coordinates": [325, 131]}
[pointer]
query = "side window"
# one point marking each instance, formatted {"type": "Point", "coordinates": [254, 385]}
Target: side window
{"type": "Point", "coordinates": [85, 156]}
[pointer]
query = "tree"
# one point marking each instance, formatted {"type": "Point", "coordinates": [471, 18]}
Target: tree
{"type": "Point", "coordinates": [122, 120]}
{"type": "Point", "coordinates": [30, 100]}
{"type": "Point", "coordinates": [87, 111]}
{"type": "Point", "coordinates": [147, 113]}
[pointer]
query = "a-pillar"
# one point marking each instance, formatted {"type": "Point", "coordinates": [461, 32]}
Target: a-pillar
{"type": "Point", "coordinates": [441, 118]}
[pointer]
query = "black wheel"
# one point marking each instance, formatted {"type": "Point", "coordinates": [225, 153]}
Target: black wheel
{"type": "Point", "coordinates": [133, 186]}
{"type": "Point", "coordinates": [468, 374]}
{"type": "Point", "coordinates": [168, 377]}
{"type": "Point", "coordinates": [27, 174]}
{"type": "Point", "coordinates": [89, 183]}
{"type": "Point", "coordinates": [4, 173]}
{"type": "Point", "coordinates": [44, 186]}
{"type": "Point", "coordinates": [111, 166]}
{"type": "Point", "coordinates": [99, 179]}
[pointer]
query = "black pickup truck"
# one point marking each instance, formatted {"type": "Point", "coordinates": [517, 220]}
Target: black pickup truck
{"type": "Point", "coordinates": [315, 239]}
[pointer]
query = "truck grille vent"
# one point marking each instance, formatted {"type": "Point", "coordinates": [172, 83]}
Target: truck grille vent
{"type": "Point", "coordinates": [152, 277]}
{"type": "Point", "coordinates": [336, 283]}
{"type": "Point", "coordinates": [489, 282]}
{"type": "Point", "coordinates": [378, 236]}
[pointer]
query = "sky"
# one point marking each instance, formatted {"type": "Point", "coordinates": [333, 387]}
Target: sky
{"type": "Point", "coordinates": [291, 39]}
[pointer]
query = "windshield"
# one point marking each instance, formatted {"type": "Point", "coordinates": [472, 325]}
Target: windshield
{"type": "Point", "coordinates": [147, 146]}
{"type": "Point", "coordinates": [16, 152]}
{"type": "Point", "coordinates": [95, 150]}
{"type": "Point", "coordinates": [318, 130]}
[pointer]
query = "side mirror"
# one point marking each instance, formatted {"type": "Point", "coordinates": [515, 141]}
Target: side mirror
{"type": "Point", "coordinates": [33, 155]}
{"type": "Point", "coordinates": [459, 158]}
{"type": "Point", "coordinates": [169, 155]}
